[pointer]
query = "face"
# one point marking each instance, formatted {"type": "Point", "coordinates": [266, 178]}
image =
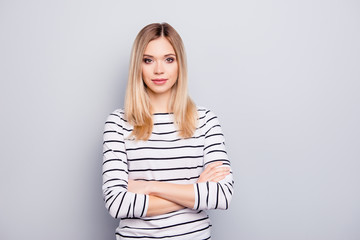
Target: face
{"type": "Point", "coordinates": [159, 67]}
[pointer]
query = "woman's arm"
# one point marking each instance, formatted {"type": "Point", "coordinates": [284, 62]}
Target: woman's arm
{"type": "Point", "coordinates": [122, 200]}
{"type": "Point", "coordinates": [118, 200]}
{"type": "Point", "coordinates": [166, 197]}
{"type": "Point", "coordinates": [159, 206]}
{"type": "Point", "coordinates": [215, 193]}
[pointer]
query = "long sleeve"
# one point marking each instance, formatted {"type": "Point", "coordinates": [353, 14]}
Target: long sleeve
{"type": "Point", "coordinates": [214, 195]}
{"type": "Point", "coordinates": [119, 202]}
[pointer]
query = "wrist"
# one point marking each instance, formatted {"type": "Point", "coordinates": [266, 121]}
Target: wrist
{"type": "Point", "coordinates": [151, 186]}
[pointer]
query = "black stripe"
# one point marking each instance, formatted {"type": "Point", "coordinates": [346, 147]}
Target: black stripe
{"type": "Point", "coordinates": [113, 201]}
{"type": "Point", "coordinates": [168, 236]}
{"type": "Point", "coordinates": [134, 205]}
{"type": "Point", "coordinates": [164, 169]}
{"type": "Point", "coordinates": [226, 201]}
{"type": "Point", "coordinates": [201, 117]}
{"type": "Point", "coordinates": [211, 145]}
{"type": "Point", "coordinates": [114, 159]}
{"type": "Point", "coordinates": [122, 199]}
{"type": "Point", "coordinates": [109, 198]}
{"type": "Point", "coordinates": [113, 114]}
{"type": "Point", "coordinates": [198, 193]}
{"type": "Point", "coordinates": [118, 185]}
{"type": "Point", "coordinates": [216, 151]}
{"type": "Point", "coordinates": [174, 140]}
{"type": "Point", "coordinates": [119, 116]}
{"type": "Point", "coordinates": [113, 131]}
{"type": "Point", "coordinates": [115, 169]}
{"type": "Point", "coordinates": [143, 210]}
{"type": "Point", "coordinates": [228, 188]}
{"type": "Point", "coordinates": [163, 148]}
{"type": "Point", "coordinates": [207, 197]}
{"type": "Point", "coordinates": [169, 226]}
{"type": "Point", "coordinates": [111, 122]}
{"type": "Point", "coordinates": [155, 133]}
{"type": "Point", "coordinates": [211, 119]}
{"type": "Point", "coordinates": [225, 161]}
{"type": "Point", "coordinates": [115, 179]}
{"type": "Point", "coordinates": [212, 128]}
{"type": "Point", "coordinates": [217, 195]}
{"type": "Point", "coordinates": [115, 150]}
{"type": "Point", "coordinates": [128, 130]}
{"type": "Point", "coordinates": [106, 192]}
{"type": "Point", "coordinates": [164, 123]}
{"type": "Point", "coordinates": [202, 126]}
{"type": "Point", "coordinates": [167, 158]}
{"type": "Point", "coordinates": [147, 219]}
{"type": "Point", "coordinates": [207, 120]}
{"type": "Point", "coordinates": [216, 134]}
{"type": "Point", "coordinates": [118, 151]}
{"type": "Point", "coordinates": [109, 150]}
{"type": "Point", "coordinates": [171, 113]}
{"type": "Point", "coordinates": [127, 214]}
{"type": "Point", "coordinates": [109, 141]}
{"type": "Point", "coordinates": [164, 133]}
{"type": "Point", "coordinates": [169, 179]}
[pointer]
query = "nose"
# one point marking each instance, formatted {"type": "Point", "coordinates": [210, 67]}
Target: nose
{"type": "Point", "coordinates": [159, 68]}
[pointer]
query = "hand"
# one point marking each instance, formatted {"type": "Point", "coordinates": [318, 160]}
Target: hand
{"type": "Point", "coordinates": [214, 172]}
{"type": "Point", "coordinates": [141, 187]}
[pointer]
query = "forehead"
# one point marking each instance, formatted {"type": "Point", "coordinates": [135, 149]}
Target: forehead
{"type": "Point", "coordinates": [159, 47]}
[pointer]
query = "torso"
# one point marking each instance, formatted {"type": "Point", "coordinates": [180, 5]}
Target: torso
{"type": "Point", "coordinates": [166, 157]}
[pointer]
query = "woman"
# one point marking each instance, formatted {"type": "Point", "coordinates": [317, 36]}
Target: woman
{"type": "Point", "coordinates": [164, 157]}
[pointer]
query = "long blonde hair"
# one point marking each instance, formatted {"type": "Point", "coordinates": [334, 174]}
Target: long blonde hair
{"type": "Point", "coordinates": [137, 103]}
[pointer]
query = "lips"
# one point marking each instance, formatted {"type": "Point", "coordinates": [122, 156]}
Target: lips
{"type": "Point", "coordinates": [159, 81]}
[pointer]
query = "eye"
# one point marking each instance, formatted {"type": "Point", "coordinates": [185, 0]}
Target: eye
{"type": "Point", "coordinates": [170, 59]}
{"type": "Point", "coordinates": [147, 60]}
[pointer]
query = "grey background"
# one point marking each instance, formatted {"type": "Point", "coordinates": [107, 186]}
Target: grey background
{"type": "Point", "coordinates": [283, 77]}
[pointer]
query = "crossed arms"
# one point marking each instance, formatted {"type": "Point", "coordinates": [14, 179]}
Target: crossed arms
{"type": "Point", "coordinates": [125, 198]}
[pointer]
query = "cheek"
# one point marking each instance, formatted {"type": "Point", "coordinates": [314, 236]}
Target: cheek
{"type": "Point", "coordinates": [174, 71]}
{"type": "Point", "coordinates": [145, 72]}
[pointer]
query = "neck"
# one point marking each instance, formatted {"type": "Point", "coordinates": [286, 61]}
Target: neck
{"type": "Point", "coordinates": [160, 102]}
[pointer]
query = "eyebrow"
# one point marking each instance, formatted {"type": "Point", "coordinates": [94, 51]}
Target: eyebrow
{"type": "Point", "coordinates": [167, 55]}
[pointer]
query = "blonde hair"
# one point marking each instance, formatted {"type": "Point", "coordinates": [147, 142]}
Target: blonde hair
{"type": "Point", "coordinates": [137, 103]}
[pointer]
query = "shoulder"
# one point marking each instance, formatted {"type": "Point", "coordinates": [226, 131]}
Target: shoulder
{"type": "Point", "coordinates": [118, 112]}
{"type": "Point", "coordinates": [209, 124]}
{"type": "Point", "coordinates": [207, 118]}
{"type": "Point", "coordinates": [205, 113]}
{"type": "Point", "coordinates": [116, 116]}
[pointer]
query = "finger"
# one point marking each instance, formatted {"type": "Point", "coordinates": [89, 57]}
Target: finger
{"type": "Point", "coordinates": [212, 166]}
{"type": "Point", "coordinates": [219, 177]}
{"type": "Point", "coordinates": [204, 176]}
{"type": "Point", "coordinates": [220, 173]}
{"type": "Point", "coordinates": [219, 170]}
{"type": "Point", "coordinates": [209, 168]}
{"type": "Point", "coordinates": [207, 176]}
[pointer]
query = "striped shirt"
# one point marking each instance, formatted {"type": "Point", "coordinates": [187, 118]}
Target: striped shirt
{"type": "Point", "coordinates": [163, 157]}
